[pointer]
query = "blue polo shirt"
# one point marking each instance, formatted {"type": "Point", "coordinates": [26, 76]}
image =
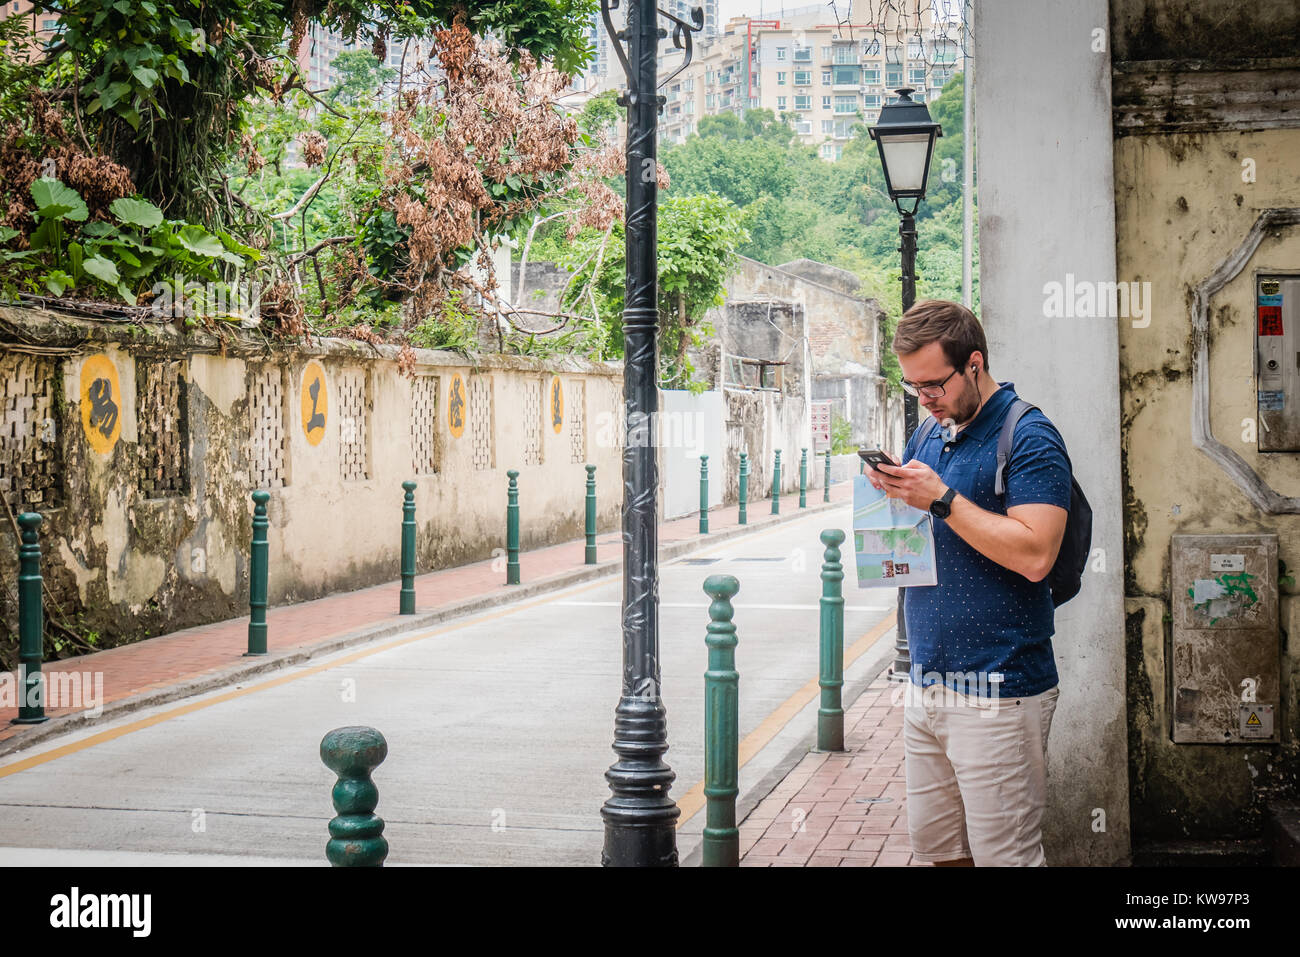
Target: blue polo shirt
{"type": "Point", "coordinates": [982, 617]}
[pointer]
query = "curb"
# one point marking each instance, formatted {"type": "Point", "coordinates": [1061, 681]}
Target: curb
{"type": "Point", "coordinates": [243, 670]}
{"type": "Point", "coordinates": [751, 799]}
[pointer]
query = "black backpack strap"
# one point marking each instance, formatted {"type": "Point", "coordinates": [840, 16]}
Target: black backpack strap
{"type": "Point", "coordinates": [1018, 408]}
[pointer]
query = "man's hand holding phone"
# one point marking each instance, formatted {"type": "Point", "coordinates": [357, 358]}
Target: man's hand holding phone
{"type": "Point", "coordinates": [874, 457]}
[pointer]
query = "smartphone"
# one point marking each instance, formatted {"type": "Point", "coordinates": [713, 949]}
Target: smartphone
{"type": "Point", "coordinates": [874, 457]}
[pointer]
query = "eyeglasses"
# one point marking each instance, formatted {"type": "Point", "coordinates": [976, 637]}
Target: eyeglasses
{"type": "Point", "coordinates": [929, 391]}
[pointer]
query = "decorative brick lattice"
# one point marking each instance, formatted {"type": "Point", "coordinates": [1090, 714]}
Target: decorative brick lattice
{"type": "Point", "coordinates": [480, 422]}
{"type": "Point", "coordinates": [162, 429]}
{"type": "Point", "coordinates": [266, 456]}
{"type": "Point", "coordinates": [30, 466]}
{"type": "Point", "coordinates": [354, 421]}
{"type": "Point", "coordinates": [424, 425]}
{"type": "Point", "coordinates": [576, 411]}
{"type": "Point", "coordinates": [533, 392]}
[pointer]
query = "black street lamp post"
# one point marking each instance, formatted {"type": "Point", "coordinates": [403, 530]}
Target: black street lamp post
{"type": "Point", "coordinates": [905, 136]}
{"type": "Point", "coordinates": [640, 818]}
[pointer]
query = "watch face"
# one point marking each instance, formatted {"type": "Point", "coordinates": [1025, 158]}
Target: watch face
{"type": "Point", "coordinates": [940, 508]}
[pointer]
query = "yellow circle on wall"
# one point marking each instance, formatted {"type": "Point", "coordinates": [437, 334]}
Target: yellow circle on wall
{"type": "Point", "coordinates": [457, 406]}
{"type": "Point", "coordinates": [315, 402]}
{"type": "Point", "coordinates": [556, 404]}
{"type": "Point", "coordinates": [101, 403]}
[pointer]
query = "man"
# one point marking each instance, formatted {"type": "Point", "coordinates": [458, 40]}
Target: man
{"type": "Point", "coordinates": [981, 637]}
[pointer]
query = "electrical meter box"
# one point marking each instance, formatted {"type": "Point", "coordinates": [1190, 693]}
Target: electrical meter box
{"type": "Point", "coordinates": [1226, 666]}
{"type": "Point", "coordinates": [1277, 362]}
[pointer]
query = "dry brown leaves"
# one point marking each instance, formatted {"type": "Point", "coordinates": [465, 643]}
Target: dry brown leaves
{"type": "Point", "coordinates": [314, 146]}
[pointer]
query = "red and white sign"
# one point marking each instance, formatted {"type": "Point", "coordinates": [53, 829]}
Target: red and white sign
{"type": "Point", "coordinates": [821, 425]}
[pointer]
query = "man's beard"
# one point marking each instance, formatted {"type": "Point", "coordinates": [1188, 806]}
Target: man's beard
{"type": "Point", "coordinates": [968, 403]}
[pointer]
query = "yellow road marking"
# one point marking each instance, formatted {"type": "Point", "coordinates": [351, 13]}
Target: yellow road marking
{"type": "Point", "coordinates": [756, 740]}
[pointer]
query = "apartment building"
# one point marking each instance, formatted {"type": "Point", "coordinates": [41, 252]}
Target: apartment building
{"type": "Point", "coordinates": [824, 77]}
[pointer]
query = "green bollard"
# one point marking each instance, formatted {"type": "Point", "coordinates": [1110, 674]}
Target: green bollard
{"type": "Point", "coordinates": [512, 529]}
{"type": "Point", "coordinates": [357, 833]}
{"type": "Point", "coordinates": [257, 572]}
{"type": "Point", "coordinates": [744, 484]}
{"type": "Point", "coordinates": [776, 485]}
{"type": "Point", "coordinates": [721, 846]}
{"type": "Point", "coordinates": [406, 602]}
{"type": "Point", "coordinates": [704, 495]}
{"type": "Point", "coordinates": [826, 487]}
{"type": "Point", "coordinates": [830, 716]}
{"type": "Point", "coordinates": [31, 622]}
{"type": "Point", "coordinates": [591, 514]}
{"type": "Point", "coordinates": [803, 479]}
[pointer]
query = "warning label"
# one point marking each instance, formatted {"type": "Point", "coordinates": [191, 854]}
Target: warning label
{"type": "Point", "coordinates": [1257, 721]}
{"type": "Point", "coordinates": [1270, 320]}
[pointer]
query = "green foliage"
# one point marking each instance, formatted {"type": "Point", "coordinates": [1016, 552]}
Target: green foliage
{"type": "Point", "coordinates": [698, 240]}
{"type": "Point", "coordinates": [798, 205]}
{"type": "Point", "coordinates": [841, 435]}
{"type": "Point", "coordinates": [63, 257]}
{"type": "Point", "coordinates": [454, 327]}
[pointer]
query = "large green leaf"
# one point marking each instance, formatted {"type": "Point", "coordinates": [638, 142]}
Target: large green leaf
{"type": "Point", "coordinates": [136, 212]}
{"type": "Point", "coordinates": [54, 200]}
{"type": "Point", "coordinates": [199, 241]}
{"type": "Point", "coordinates": [102, 269]}
{"type": "Point", "coordinates": [7, 234]}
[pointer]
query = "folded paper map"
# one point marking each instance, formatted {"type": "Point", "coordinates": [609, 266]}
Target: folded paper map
{"type": "Point", "coordinates": [893, 541]}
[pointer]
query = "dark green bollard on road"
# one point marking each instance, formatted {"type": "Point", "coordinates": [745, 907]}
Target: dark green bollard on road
{"type": "Point", "coordinates": [776, 485]}
{"type": "Point", "coordinates": [512, 529]}
{"type": "Point", "coordinates": [591, 514]}
{"type": "Point", "coordinates": [803, 479]}
{"type": "Point", "coordinates": [704, 495]}
{"type": "Point", "coordinates": [721, 846]}
{"type": "Point", "coordinates": [257, 572]}
{"type": "Point", "coordinates": [826, 486]}
{"type": "Point", "coordinates": [31, 622]}
{"type": "Point", "coordinates": [406, 603]}
{"type": "Point", "coordinates": [357, 833]}
{"type": "Point", "coordinates": [830, 716]}
{"type": "Point", "coordinates": [744, 485]}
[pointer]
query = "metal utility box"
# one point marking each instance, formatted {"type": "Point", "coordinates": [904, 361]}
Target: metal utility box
{"type": "Point", "coordinates": [1226, 666]}
{"type": "Point", "coordinates": [1277, 362]}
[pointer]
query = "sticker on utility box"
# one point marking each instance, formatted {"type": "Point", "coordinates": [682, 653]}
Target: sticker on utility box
{"type": "Point", "coordinates": [1227, 563]}
{"type": "Point", "coordinates": [1257, 721]}
{"type": "Point", "coordinates": [1270, 320]}
{"type": "Point", "coordinates": [1271, 400]}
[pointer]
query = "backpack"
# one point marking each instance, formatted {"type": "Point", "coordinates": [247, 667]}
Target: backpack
{"type": "Point", "coordinates": [1066, 575]}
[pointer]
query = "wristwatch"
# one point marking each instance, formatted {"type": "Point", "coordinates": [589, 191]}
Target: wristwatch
{"type": "Point", "coordinates": [942, 507]}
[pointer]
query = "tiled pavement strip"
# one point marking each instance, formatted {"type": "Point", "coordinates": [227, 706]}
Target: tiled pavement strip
{"type": "Point", "coordinates": [825, 812]}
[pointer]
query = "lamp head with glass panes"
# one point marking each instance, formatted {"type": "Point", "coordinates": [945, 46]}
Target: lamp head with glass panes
{"type": "Point", "coordinates": [905, 135]}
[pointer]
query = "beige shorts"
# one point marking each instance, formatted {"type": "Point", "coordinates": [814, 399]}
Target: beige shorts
{"type": "Point", "coordinates": [977, 775]}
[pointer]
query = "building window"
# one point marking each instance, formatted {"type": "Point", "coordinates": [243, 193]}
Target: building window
{"type": "Point", "coordinates": [894, 78]}
{"type": "Point", "coordinates": [780, 79]}
{"type": "Point", "coordinates": [871, 74]}
{"type": "Point", "coordinates": [847, 75]}
{"type": "Point", "coordinates": [826, 54]}
{"type": "Point", "coordinates": [828, 151]}
{"type": "Point", "coordinates": [803, 102]}
{"type": "Point", "coordinates": [871, 99]}
{"type": "Point", "coordinates": [846, 104]}
{"type": "Point", "coordinates": [827, 126]}
{"type": "Point", "coordinates": [826, 102]}
{"type": "Point", "coordinates": [826, 77]}
{"type": "Point", "coordinates": [803, 55]}
{"type": "Point", "coordinates": [844, 53]}
{"type": "Point", "coordinates": [780, 53]}
{"type": "Point", "coordinates": [690, 106]}
{"type": "Point", "coordinates": [803, 78]}
{"type": "Point", "coordinates": [780, 102]}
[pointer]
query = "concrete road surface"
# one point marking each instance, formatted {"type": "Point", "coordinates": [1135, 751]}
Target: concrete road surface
{"type": "Point", "coordinates": [499, 729]}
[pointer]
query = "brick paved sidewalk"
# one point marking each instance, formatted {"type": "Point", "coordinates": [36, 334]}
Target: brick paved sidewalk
{"type": "Point", "coordinates": [197, 659]}
{"type": "Point", "coordinates": [846, 809]}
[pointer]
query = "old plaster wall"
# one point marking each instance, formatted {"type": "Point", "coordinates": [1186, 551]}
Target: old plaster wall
{"type": "Point", "coordinates": [1181, 207]}
{"type": "Point", "coordinates": [149, 522]}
